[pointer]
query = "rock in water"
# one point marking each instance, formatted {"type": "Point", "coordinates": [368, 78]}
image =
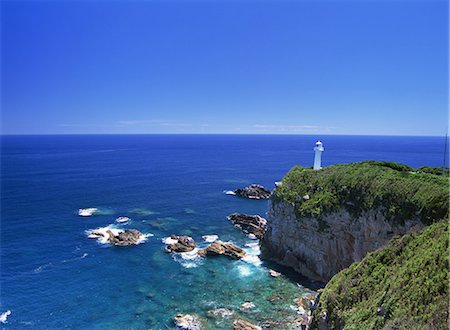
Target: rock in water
{"type": "Point", "coordinates": [126, 237]}
{"type": "Point", "coordinates": [244, 325]}
{"type": "Point", "coordinates": [222, 312]}
{"type": "Point", "coordinates": [187, 322]}
{"type": "Point", "coordinates": [221, 248]}
{"type": "Point", "coordinates": [254, 191]}
{"type": "Point", "coordinates": [181, 244]}
{"type": "Point", "coordinates": [250, 224]}
{"type": "Point", "coordinates": [274, 273]}
{"type": "Point", "coordinates": [247, 305]}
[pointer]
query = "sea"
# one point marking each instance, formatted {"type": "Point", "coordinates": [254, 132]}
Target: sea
{"type": "Point", "coordinates": [53, 276]}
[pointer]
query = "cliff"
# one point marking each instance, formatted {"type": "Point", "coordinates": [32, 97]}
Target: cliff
{"type": "Point", "coordinates": [401, 286]}
{"type": "Point", "coordinates": [320, 222]}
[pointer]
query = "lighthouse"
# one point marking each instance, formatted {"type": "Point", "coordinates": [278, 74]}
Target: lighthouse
{"type": "Point", "coordinates": [318, 149]}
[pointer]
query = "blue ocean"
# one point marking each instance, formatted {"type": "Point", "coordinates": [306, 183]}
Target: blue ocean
{"type": "Point", "coordinates": [54, 277]}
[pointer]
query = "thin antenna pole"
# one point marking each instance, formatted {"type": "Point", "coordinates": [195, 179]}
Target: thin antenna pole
{"type": "Point", "coordinates": [444, 168]}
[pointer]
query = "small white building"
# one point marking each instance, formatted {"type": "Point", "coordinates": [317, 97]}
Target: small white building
{"type": "Point", "coordinates": [318, 149]}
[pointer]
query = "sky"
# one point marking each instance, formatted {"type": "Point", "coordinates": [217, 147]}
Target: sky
{"type": "Point", "coordinates": [239, 67]}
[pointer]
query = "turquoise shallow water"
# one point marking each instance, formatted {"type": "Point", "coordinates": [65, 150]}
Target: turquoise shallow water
{"type": "Point", "coordinates": [54, 277]}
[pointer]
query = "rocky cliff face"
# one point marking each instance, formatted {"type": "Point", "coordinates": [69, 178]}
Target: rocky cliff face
{"type": "Point", "coordinates": [318, 247]}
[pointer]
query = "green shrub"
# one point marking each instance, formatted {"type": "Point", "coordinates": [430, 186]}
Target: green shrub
{"type": "Point", "coordinates": [398, 189]}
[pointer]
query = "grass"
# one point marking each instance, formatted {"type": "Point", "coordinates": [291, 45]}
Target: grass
{"type": "Point", "coordinates": [407, 279]}
{"type": "Point", "coordinates": [399, 190]}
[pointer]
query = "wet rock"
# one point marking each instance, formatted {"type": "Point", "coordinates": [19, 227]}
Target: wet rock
{"type": "Point", "coordinates": [244, 325]}
{"type": "Point", "coordinates": [302, 302]}
{"type": "Point", "coordinates": [274, 273]}
{"type": "Point", "coordinates": [123, 238]}
{"type": "Point", "coordinates": [254, 191]}
{"type": "Point", "coordinates": [247, 305]}
{"type": "Point", "coordinates": [187, 322]}
{"type": "Point", "coordinates": [221, 248]}
{"type": "Point", "coordinates": [222, 312]}
{"type": "Point", "coordinates": [250, 224]}
{"type": "Point", "coordinates": [181, 244]}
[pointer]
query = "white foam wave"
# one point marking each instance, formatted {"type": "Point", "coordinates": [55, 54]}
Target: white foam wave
{"type": "Point", "coordinates": [244, 270]}
{"type": "Point", "coordinates": [191, 255]}
{"type": "Point", "coordinates": [189, 264]}
{"type": "Point", "coordinates": [252, 260]}
{"type": "Point", "coordinates": [101, 233]}
{"type": "Point", "coordinates": [143, 238]}
{"type": "Point", "coordinates": [87, 212]}
{"type": "Point", "coordinates": [210, 238]}
{"type": "Point", "coordinates": [77, 258]}
{"type": "Point", "coordinates": [42, 267]}
{"type": "Point", "coordinates": [252, 254]}
{"type": "Point", "coordinates": [4, 316]}
{"type": "Point", "coordinates": [122, 219]}
{"type": "Point", "coordinates": [229, 192]}
{"type": "Point", "coordinates": [169, 240]}
{"type": "Point", "coordinates": [189, 259]}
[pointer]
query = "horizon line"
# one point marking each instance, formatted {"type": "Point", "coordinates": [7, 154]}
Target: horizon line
{"type": "Point", "coordinates": [206, 134]}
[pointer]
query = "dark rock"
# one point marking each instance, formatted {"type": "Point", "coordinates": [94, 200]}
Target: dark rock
{"type": "Point", "coordinates": [182, 244]}
{"type": "Point", "coordinates": [254, 191]}
{"type": "Point", "coordinates": [124, 238]}
{"type": "Point", "coordinates": [221, 248]}
{"type": "Point", "coordinates": [250, 224]}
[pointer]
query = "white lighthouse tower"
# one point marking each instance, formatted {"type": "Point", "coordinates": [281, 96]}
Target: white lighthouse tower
{"type": "Point", "coordinates": [318, 149]}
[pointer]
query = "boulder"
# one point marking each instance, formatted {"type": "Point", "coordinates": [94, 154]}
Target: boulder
{"type": "Point", "coordinates": [187, 322]}
{"type": "Point", "coordinates": [247, 305]}
{"type": "Point", "coordinates": [244, 325]}
{"type": "Point", "coordinates": [221, 248]}
{"type": "Point", "coordinates": [124, 238]}
{"type": "Point", "coordinates": [254, 191]}
{"type": "Point", "coordinates": [250, 224]}
{"type": "Point", "coordinates": [274, 273]}
{"type": "Point", "coordinates": [181, 244]}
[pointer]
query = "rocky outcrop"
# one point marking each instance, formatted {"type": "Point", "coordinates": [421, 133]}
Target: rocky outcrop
{"type": "Point", "coordinates": [117, 237]}
{"type": "Point", "coordinates": [250, 224]}
{"type": "Point", "coordinates": [180, 244]}
{"type": "Point", "coordinates": [187, 322]}
{"type": "Point", "coordinates": [254, 191]}
{"type": "Point", "coordinates": [220, 248]}
{"type": "Point", "coordinates": [319, 247]}
{"type": "Point", "coordinates": [244, 325]}
{"type": "Point", "coordinates": [126, 237]}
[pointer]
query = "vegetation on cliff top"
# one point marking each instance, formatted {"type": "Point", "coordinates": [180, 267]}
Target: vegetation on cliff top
{"type": "Point", "coordinates": [401, 286]}
{"type": "Point", "coordinates": [401, 191]}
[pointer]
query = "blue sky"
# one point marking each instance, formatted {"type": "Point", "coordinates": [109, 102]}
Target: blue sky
{"type": "Point", "coordinates": [271, 67]}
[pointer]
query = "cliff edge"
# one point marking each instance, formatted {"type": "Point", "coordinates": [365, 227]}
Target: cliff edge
{"type": "Point", "coordinates": [320, 222]}
{"type": "Point", "coordinates": [401, 286]}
